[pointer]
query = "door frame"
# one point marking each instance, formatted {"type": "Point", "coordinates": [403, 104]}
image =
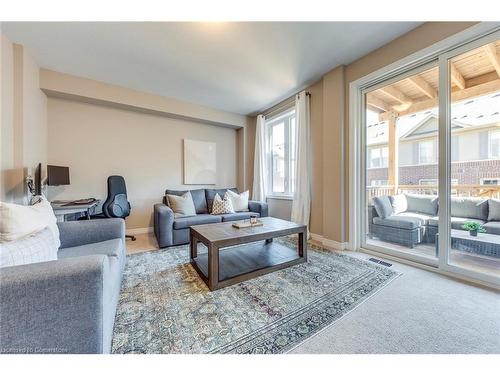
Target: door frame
{"type": "Point", "coordinates": [362, 178]}
{"type": "Point", "coordinates": [356, 142]}
{"type": "Point", "coordinates": [444, 144]}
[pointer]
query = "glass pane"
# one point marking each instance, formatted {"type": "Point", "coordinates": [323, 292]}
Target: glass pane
{"type": "Point", "coordinates": [402, 166]}
{"type": "Point", "coordinates": [293, 152]}
{"type": "Point", "coordinates": [475, 155]}
{"type": "Point", "coordinates": [278, 157]}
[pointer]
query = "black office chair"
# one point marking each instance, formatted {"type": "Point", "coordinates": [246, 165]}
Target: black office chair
{"type": "Point", "coordinates": [116, 204]}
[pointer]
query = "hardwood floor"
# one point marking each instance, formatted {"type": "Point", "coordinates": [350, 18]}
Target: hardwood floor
{"type": "Point", "coordinates": [144, 242]}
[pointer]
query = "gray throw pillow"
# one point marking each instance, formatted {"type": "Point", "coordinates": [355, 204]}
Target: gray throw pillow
{"type": "Point", "coordinates": [183, 205]}
{"type": "Point", "coordinates": [469, 207]}
{"type": "Point", "coordinates": [494, 210]}
{"type": "Point", "coordinates": [425, 204]}
{"type": "Point", "coordinates": [383, 206]}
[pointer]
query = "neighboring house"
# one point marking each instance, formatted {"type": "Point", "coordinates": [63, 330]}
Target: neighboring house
{"type": "Point", "coordinates": [475, 150]}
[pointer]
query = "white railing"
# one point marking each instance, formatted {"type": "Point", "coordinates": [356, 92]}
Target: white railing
{"type": "Point", "coordinates": [487, 191]}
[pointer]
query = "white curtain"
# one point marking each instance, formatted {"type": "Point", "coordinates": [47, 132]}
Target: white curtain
{"type": "Point", "coordinates": [259, 164]}
{"type": "Point", "coordinates": [301, 206]}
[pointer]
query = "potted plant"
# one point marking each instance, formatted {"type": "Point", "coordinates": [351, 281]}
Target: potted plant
{"type": "Point", "coordinates": [473, 227]}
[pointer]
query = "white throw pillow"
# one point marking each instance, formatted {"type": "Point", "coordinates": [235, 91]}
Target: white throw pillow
{"type": "Point", "coordinates": [181, 205]}
{"type": "Point", "coordinates": [45, 210]}
{"type": "Point", "coordinates": [220, 206]}
{"type": "Point", "coordinates": [17, 221]}
{"type": "Point", "coordinates": [239, 201]}
{"type": "Point", "coordinates": [399, 203]}
{"type": "Point", "coordinates": [34, 248]}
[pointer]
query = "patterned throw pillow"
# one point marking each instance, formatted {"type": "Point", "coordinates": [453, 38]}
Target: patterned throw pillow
{"type": "Point", "coordinates": [220, 206]}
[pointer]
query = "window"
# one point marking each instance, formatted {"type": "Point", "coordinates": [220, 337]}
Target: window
{"type": "Point", "coordinates": [495, 145]}
{"type": "Point", "coordinates": [434, 181]}
{"type": "Point", "coordinates": [490, 181]}
{"type": "Point", "coordinates": [378, 157]}
{"type": "Point", "coordinates": [281, 140]}
{"type": "Point", "coordinates": [426, 154]}
{"type": "Point", "coordinates": [379, 183]}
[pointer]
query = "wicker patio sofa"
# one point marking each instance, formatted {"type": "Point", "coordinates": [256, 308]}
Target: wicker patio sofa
{"type": "Point", "coordinates": [410, 219]}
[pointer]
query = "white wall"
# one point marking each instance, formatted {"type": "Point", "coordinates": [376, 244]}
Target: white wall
{"type": "Point", "coordinates": [96, 141]}
{"type": "Point", "coordinates": [35, 129]}
{"type": "Point", "coordinates": [7, 117]}
{"type": "Point", "coordinates": [23, 120]}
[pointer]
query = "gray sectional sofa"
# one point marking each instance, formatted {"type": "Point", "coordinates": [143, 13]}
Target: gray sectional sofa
{"type": "Point", "coordinates": [66, 305]}
{"type": "Point", "coordinates": [410, 219]}
{"type": "Point", "coordinates": [171, 230]}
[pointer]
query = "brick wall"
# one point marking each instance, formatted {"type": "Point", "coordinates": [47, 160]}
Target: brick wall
{"type": "Point", "coordinates": [467, 173]}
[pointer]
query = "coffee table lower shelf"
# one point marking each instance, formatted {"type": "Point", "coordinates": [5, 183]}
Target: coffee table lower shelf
{"type": "Point", "coordinates": [243, 262]}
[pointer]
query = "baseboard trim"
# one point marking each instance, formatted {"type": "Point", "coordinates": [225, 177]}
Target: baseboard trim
{"type": "Point", "coordinates": [136, 231]}
{"type": "Point", "coordinates": [328, 243]}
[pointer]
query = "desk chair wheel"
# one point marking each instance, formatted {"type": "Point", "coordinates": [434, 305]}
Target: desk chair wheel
{"type": "Point", "coordinates": [131, 237]}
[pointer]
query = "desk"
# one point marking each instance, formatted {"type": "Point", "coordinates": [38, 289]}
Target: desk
{"type": "Point", "coordinates": [61, 209]}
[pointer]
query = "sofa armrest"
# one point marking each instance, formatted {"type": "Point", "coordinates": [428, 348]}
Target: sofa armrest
{"type": "Point", "coordinates": [82, 232]}
{"type": "Point", "coordinates": [163, 218]}
{"type": "Point", "coordinates": [260, 207]}
{"type": "Point", "coordinates": [372, 212]}
{"type": "Point", "coordinates": [54, 307]}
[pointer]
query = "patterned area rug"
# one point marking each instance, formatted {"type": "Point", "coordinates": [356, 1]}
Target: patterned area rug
{"type": "Point", "coordinates": [165, 307]}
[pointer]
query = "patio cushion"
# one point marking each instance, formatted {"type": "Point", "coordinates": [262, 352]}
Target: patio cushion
{"type": "Point", "coordinates": [493, 210]}
{"type": "Point", "coordinates": [426, 204]}
{"type": "Point", "coordinates": [492, 227]}
{"type": "Point", "coordinates": [186, 222]}
{"type": "Point", "coordinates": [474, 208]}
{"type": "Point", "coordinates": [399, 203]}
{"type": "Point", "coordinates": [199, 200]}
{"type": "Point", "coordinates": [397, 221]}
{"type": "Point", "coordinates": [423, 218]}
{"type": "Point", "coordinates": [433, 221]}
{"type": "Point", "coordinates": [456, 222]}
{"type": "Point", "coordinates": [383, 206]}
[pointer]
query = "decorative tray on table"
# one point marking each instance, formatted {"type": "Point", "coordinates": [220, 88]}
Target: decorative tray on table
{"type": "Point", "coordinates": [246, 224]}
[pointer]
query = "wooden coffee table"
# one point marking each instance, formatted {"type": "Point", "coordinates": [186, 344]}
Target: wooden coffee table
{"type": "Point", "coordinates": [235, 255]}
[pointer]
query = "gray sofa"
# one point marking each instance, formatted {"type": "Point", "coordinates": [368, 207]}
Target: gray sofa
{"type": "Point", "coordinates": [171, 230]}
{"type": "Point", "coordinates": [67, 305]}
{"type": "Point", "coordinates": [410, 219]}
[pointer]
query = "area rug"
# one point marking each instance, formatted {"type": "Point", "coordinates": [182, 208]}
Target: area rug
{"type": "Point", "coordinates": [165, 307]}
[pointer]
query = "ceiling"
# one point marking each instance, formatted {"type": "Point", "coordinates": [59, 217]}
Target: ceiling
{"type": "Point", "coordinates": [242, 67]}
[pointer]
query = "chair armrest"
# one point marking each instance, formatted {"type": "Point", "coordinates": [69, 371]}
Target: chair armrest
{"type": "Point", "coordinates": [260, 207]}
{"type": "Point", "coordinates": [77, 233]}
{"type": "Point", "coordinates": [54, 307]}
{"type": "Point", "coordinates": [163, 218]}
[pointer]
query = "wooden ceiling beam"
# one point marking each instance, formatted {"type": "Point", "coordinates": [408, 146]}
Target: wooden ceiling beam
{"type": "Point", "coordinates": [456, 77]}
{"type": "Point", "coordinates": [468, 93]}
{"type": "Point", "coordinates": [377, 103]}
{"type": "Point", "coordinates": [422, 85]}
{"type": "Point", "coordinates": [491, 52]}
{"type": "Point", "coordinates": [396, 94]}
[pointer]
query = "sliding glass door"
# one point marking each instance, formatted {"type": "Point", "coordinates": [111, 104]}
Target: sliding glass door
{"type": "Point", "coordinates": [430, 162]}
{"type": "Point", "coordinates": [471, 148]}
{"type": "Point", "coordinates": [401, 165]}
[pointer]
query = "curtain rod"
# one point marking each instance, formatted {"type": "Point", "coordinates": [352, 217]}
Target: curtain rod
{"type": "Point", "coordinates": [284, 103]}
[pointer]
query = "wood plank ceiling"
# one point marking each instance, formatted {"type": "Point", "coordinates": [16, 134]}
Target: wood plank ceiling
{"type": "Point", "coordinates": [473, 74]}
